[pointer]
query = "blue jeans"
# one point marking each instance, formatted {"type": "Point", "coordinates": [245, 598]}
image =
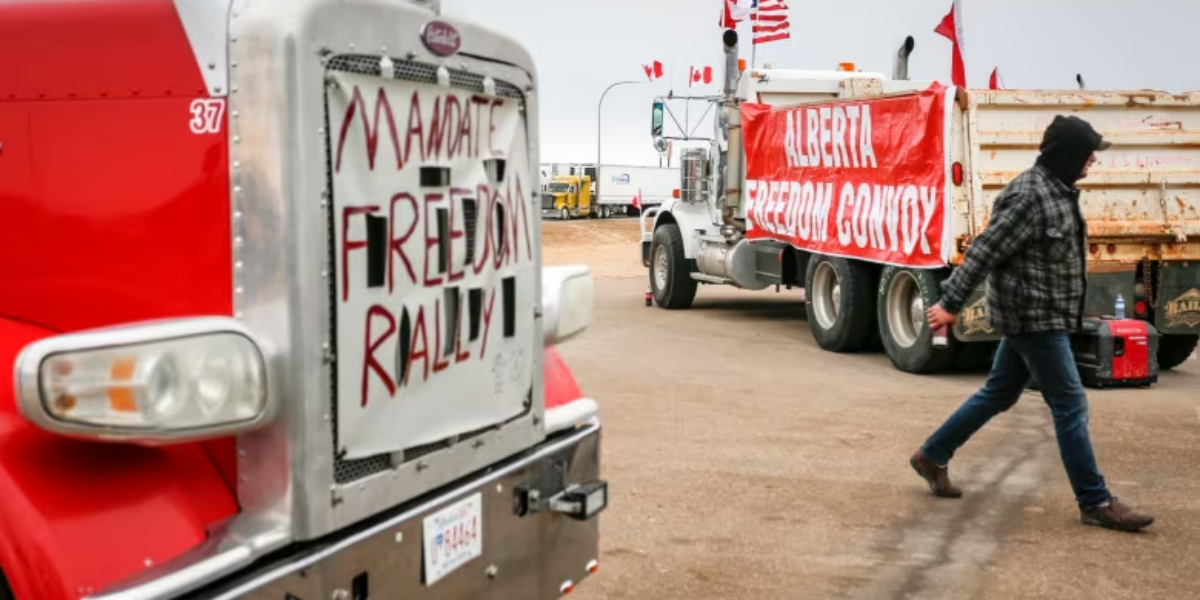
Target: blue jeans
{"type": "Point", "coordinates": [1047, 357]}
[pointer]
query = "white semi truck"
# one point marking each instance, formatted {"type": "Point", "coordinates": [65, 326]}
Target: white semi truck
{"type": "Point", "coordinates": [866, 192]}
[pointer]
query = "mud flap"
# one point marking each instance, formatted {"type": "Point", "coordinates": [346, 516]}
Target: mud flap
{"type": "Point", "coordinates": [1178, 310]}
{"type": "Point", "coordinates": [974, 322]}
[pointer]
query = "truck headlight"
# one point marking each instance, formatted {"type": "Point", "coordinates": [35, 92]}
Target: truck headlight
{"type": "Point", "coordinates": [151, 383]}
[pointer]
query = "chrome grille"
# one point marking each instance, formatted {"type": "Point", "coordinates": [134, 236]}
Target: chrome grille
{"type": "Point", "coordinates": [349, 470]}
{"type": "Point", "coordinates": [365, 64]}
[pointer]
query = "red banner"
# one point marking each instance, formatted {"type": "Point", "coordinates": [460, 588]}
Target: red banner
{"type": "Point", "coordinates": [865, 179]}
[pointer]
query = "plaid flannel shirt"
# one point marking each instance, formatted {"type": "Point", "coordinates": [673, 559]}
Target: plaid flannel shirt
{"type": "Point", "coordinates": [1033, 252]}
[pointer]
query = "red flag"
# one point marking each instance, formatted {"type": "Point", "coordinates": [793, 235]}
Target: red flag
{"type": "Point", "coordinates": [653, 70]}
{"type": "Point", "coordinates": [736, 11]}
{"type": "Point", "coordinates": [696, 76]}
{"type": "Point", "coordinates": [951, 29]}
{"type": "Point", "coordinates": [994, 80]}
{"type": "Point", "coordinates": [637, 200]}
{"type": "Point", "coordinates": [727, 21]}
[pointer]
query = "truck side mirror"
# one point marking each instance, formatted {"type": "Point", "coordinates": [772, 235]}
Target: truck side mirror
{"type": "Point", "coordinates": [656, 119]}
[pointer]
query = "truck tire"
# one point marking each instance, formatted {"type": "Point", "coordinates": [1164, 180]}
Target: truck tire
{"type": "Point", "coordinates": [1173, 350]}
{"type": "Point", "coordinates": [565, 214]}
{"type": "Point", "coordinates": [874, 340]}
{"type": "Point", "coordinates": [839, 299]}
{"type": "Point", "coordinates": [903, 296]}
{"type": "Point", "coordinates": [671, 281]}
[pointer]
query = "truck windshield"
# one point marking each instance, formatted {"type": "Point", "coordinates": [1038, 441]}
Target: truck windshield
{"type": "Point", "coordinates": [560, 187]}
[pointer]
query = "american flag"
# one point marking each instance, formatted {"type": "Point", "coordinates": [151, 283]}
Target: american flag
{"type": "Point", "coordinates": [770, 21]}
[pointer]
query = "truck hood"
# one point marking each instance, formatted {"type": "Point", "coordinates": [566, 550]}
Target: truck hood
{"type": "Point", "coordinates": [140, 229]}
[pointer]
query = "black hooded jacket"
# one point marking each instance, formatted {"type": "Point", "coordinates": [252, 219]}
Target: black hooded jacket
{"type": "Point", "coordinates": [1033, 251]}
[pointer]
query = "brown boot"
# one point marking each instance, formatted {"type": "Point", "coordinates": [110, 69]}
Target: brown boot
{"type": "Point", "coordinates": [1116, 515]}
{"type": "Point", "coordinates": [937, 477]}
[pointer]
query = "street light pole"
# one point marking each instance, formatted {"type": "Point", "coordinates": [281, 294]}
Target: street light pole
{"type": "Point", "coordinates": [599, 116]}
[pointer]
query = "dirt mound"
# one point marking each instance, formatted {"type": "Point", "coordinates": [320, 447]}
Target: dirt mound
{"type": "Point", "coordinates": [609, 246]}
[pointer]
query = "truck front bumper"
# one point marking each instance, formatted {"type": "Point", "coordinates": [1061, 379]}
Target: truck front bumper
{"type": "Point", "coordinates": [538, 536]}
{"type": "Point", "coordinates": [530, 549]}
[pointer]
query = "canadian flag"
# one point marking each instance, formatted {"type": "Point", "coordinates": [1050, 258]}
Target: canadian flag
{"type": "Point", "coordinates": [637, 200]}
{"type": "Point", "coordinates": [653, 70]}
{"type": "Point", "coordinates": [994, 80]}
{"type": "Point", "coordinates": [699, 75]}
{"type": "Point", "coordinates": [735, 12]}
{"type": "Point", "coordinates": [951, 29]}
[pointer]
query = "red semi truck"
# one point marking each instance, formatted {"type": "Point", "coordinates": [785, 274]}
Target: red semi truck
{"type": "Point", "coordinates": [273, 309]}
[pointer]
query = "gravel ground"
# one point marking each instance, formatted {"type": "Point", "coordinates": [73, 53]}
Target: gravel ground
{"type": "Point", "coordinates": [745, 462]}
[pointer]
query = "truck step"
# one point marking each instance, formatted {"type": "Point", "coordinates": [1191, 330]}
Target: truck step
{"type": "Point", "coordinates": [711, 279]}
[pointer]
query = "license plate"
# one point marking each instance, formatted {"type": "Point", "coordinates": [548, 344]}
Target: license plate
{"type": "Point", "coordinates": [453, 537]}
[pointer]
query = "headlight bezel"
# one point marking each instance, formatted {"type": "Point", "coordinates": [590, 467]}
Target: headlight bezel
{"type": "Point", "coordinates": [33, 401]}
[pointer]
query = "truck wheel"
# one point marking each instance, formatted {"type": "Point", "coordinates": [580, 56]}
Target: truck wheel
{"type": "Point", "coordinates": [840, 302]}
{"type": "Point", "coordinates": [1174, 349]}
{"type": "Point", "coordinates": [671, 280]}
{"type": "Point", "coordinates": [565, 214]}
{"type": "Point", "coordinates": [907, 340]}
{"type": "Point", "coordinates": [874, 341]}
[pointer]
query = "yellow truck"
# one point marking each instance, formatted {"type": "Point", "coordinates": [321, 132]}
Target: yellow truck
{"type": "Point", "coordinates": [566, 197]}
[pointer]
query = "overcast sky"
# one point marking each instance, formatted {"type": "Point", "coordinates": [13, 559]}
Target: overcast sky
{"type": "Point", "coordinates": [582, 46]}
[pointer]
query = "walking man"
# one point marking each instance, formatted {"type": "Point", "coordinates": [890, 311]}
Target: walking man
{"type": "Point", "coordinates": [1033, 253]}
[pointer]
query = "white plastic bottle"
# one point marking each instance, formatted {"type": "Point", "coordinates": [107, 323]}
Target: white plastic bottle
{"type": "Point", "coordinates": [941, 337]}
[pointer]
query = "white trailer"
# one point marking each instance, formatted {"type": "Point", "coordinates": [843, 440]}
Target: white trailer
{"type": "Point", "coordinates": [870, 251]}
{"type": "Point", "coordinates": [623, 189]}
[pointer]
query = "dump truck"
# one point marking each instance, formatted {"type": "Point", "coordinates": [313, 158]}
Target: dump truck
{"type": "Point", "coordinates": [866, 191]}
{"type": "Point", "coordinates": [274, 322]}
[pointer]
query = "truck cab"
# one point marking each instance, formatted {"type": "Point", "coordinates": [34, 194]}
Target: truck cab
{"type": "Point", "coordinates": [274, 320]}
{"type": "Point", "coordinates": [569, 196]}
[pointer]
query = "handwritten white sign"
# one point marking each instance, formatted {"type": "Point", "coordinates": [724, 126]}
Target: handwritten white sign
{"type": "Point", "coordinates": [434, 272]}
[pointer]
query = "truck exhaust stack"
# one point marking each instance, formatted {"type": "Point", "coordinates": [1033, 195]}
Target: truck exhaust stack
{"type": "Point", "coordinates": [900, 68]}
{"type": "Point", "coordinates": [730, 38]}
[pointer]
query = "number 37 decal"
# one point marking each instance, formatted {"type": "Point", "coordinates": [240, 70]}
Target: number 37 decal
{"type": "Point", "coordinates": [207, 114]}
